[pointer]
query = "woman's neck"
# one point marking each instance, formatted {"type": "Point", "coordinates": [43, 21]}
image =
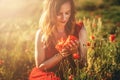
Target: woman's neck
{"type": "Point", "coordinates": [61, 29]}
{"type": "Point", "coordinates": [60, 32]}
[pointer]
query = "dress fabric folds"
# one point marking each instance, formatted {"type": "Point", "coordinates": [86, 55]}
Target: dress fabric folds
{"type": "Point", "coordinates": [37, 74]}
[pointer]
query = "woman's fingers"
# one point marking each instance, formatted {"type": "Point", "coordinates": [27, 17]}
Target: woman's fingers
{"type": "Point", "coordinates": [65, 52]}
{"type": "Point", "coordinates": [72, 46]}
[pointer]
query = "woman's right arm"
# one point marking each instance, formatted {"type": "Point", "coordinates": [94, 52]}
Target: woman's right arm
{"type": "Point", "coordinates": [40, 61]}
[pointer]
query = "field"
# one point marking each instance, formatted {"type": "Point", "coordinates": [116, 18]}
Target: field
{"type": "Point", "coordinates": [17, 34]}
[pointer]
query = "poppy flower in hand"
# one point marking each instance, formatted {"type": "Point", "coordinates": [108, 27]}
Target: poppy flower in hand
{"type": "Point", "coordinates": [70, 38]}
{"type": "Point", "coordinates": [60, 44]}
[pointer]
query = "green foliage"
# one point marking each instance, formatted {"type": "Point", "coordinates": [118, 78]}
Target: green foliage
{"type": "Point", "coordinates": [89, 6]}
{"type": "Point", "coordinates": [17, 44]}
{"type": "Point", "coordinates": [17, 50]}
{"type": "Point", "coordinates": [102, 54]}
{"type": "Point", "coordinates": [112, 2]}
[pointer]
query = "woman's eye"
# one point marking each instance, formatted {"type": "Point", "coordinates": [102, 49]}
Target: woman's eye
{"type": "Point", "coordinates": [67, 13]}
{"type": "Point", "coordinates": [59, 14]}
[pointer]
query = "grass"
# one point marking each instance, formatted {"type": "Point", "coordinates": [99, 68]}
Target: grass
{"type": "Point", "coordinates": [17, 45]}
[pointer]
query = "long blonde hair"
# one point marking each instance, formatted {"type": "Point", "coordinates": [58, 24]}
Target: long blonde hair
{"type": "Point", "coordinates": [47, 21]}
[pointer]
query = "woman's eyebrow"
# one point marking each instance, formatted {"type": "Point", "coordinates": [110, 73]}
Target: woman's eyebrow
{"type": "Point", "coordinates": [68, 10]}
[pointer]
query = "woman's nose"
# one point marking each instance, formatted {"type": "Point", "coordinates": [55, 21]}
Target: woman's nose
{"type": "Point", "coordinates": [64, 17]}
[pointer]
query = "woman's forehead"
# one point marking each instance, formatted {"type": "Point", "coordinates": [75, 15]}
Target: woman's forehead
{"type": "Point", "coordinates": [65, 7]}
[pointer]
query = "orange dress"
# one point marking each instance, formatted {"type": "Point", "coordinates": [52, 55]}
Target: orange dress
{"type": "Point", "coordinates": [55, 73]}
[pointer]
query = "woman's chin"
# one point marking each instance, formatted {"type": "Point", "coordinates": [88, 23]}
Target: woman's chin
{"type": "Point", "coordinates": [62, 24]}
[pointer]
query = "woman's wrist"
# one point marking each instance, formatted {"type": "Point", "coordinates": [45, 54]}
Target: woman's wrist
{"type": "Point", "coordinates": [62, 55]}
{"type": "Point", "coordinates": [58, 55]}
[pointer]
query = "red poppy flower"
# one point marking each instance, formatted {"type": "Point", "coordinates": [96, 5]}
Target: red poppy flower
{"type": "Point", "coordinates": [94, 25]}
{"type": "Point", "coordinates": [1, 62]}
{"type": "Point", "coordinates": [76, 56]}
{"type": "Point", "coordinates": [70, 38]}
{"type": "Point", "coordinates": [112, 38]}
{"type": "Point", "coordinates": [92, 37]}
{"type": "Point", "coordinates": [88, 43]}
{"type": "Point", "coordinates": [70, 77]}
{"type": "Point", "coordinates": [60, 44]}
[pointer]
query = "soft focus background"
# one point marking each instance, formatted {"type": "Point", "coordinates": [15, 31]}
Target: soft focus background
{"type": "Point", "coordinates": [19, 21]}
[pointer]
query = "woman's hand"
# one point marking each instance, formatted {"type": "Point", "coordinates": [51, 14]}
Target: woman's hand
{"type": "Point", "coordinates": [72, 46]}
{"type": "Point", "coordinates": [68, 46]}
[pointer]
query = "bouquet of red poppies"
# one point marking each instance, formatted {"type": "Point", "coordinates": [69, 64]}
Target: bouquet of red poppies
{"type": "Point", "coordinates": [62, 43]}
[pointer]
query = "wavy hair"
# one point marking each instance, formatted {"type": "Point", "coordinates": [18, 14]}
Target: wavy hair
{"type": "Point", "coordinates": [47, 21]}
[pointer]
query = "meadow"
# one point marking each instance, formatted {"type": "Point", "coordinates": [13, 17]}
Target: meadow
{"type": "Point", "coordinates": [102, 22]}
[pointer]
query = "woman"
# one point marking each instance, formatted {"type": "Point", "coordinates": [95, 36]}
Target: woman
{"type": "Point", "coordinates": [56, 22]}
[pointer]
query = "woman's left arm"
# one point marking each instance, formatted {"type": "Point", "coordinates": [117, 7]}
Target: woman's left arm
{"type": "Point", "coordinates": [83, 48]}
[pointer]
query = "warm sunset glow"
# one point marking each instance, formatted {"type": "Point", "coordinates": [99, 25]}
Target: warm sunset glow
{"type": "Point", "coordinates": [10, 8]}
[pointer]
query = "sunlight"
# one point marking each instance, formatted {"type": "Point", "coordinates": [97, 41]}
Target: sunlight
{"type": "Point", "coordinates": [11, 8]}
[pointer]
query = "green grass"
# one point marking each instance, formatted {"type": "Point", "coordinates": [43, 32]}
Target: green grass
{"type": "Point", "coordinates": [17, 45]}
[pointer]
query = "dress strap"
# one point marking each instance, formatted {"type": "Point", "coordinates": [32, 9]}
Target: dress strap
{"type": "Point", "coordinates": [78, 27]}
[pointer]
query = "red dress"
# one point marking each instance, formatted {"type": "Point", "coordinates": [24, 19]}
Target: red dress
{"type": "Point", "coordinates": [50, 74]}
{"type": "Point", "coordinates": [37, 74]}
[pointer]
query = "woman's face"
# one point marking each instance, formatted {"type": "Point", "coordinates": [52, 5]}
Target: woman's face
{"type": "Point", "coordinates": [64, 14]}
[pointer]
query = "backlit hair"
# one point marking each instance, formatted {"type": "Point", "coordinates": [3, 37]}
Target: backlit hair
{"type": "Point", "coordinates": [47, 21]}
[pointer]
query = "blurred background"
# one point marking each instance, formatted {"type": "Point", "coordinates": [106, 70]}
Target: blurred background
{"type": "Point", "coordinates": [19, 20]}
{"type": "Point", "coordinates": [19, 8]}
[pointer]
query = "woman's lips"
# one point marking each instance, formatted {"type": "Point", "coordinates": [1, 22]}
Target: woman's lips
{"type": "Point", "coordinates": [63, 21]}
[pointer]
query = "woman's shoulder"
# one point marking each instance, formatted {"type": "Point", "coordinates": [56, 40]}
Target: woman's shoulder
{"type": "Point", "coordinates": [38, 34]}
{"type": "Point", "coordinates": [79, 25]}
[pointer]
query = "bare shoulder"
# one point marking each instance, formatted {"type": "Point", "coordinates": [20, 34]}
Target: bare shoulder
{"type": "Point", "coordinates": [38, 41]}
{"type": "Point", "coordinates": [83, 35]}
{"type": "Point", "coordinates": [39, 49]}
{"type": "Point", "coordinates": [38, 35]}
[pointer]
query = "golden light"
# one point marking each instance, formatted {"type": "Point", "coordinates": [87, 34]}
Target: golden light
{"type": "Point", "coordinates": [12, 8]}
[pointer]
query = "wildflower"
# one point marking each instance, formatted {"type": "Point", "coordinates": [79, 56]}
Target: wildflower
{"type": "Point", "coordinates": [70, 77]}
{"type": "Point", "coordinates": [1, 62]}
{"type": "Point", "coordinates": [76, 56]}
{"type": "Point", "coordinates": [109, 74]}
{"type": "Point", "coordinates": [62, 42]}
{"type": "Point", "coordinates": [88, 43]}
{"type": "Point", "coordinates": [70, 38]}
{"type": "Point", "coordinates": [112, 38]}
{"type": "Point", "coordinates": [92, 37]}
{"type": "Point", "coordinates": [94, 25]}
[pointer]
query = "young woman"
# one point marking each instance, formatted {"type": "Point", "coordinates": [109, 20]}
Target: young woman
{"type": "Point", "coordinates": [56, 22]}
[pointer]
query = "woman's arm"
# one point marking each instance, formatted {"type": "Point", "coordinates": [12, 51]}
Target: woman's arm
{"type": "Point", "coordinates": [83, 48]}
{"type": "Point", "coordinates": [40, 55]}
